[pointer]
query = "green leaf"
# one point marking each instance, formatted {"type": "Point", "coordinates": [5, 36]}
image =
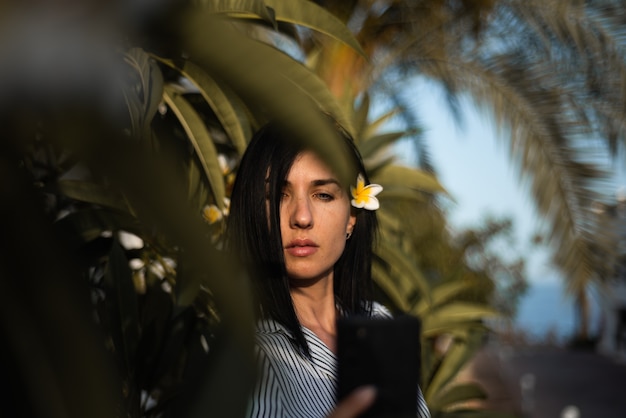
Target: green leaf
{"type": "Point", "coordinates": [473, 414]}
{"type": "Point", "coordinates": [241, 8]}
{"type": "Point", "coordinates": [376, 124]}
{"type": "Point", "coordinates": [89, 224]}
{"type": "Point", "coordinates": [389, 222]}
{"type": "Point", "coordinates": [144, 102]}
{"type": "Point", "coordinates": [391, 193]}
{"type": "Point", "coordinates": [299, 12]}
{"type": "Point", "coordinates": [460, 393]}
{"type": "Point", "coordinates": [407, 276]}
{"type": "Point", "coordinates": [374, 144]}
{"type": "Point", "coordinates": [460, 351]}
{"type": "Point", "coordinates": [197, 192]}
{"type": "Point", "coordinates": [213, 92]}
{"type": "Point", "coordinates": [395, 175]}
{"type": "Point", "coordinates": [279, 84]}
{"type": "Point", "coordinates": [308, 14]}
{"type": "Point", "coordinates": [200, 139]}
{"type": "Point", "coordinates": [360, 118]}
{"type": "Point", "coordinates": [93, 193]}
{"type": "Point", "coordinates": [442, 294]}
{"type": "Point", "coordinates": [388, 284]}
{"type": "Point", "coordinates": [454, 315]}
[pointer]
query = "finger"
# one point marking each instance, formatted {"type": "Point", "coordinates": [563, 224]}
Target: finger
{"type": "Point", "coordinates": [356, 403]}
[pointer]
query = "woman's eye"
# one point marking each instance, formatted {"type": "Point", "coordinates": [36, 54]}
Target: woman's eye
{"type": "Point", "coordinates": [325, 196]}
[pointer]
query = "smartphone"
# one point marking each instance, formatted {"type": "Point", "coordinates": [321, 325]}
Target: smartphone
{"type": "Point", "coordinates": [385, 353]}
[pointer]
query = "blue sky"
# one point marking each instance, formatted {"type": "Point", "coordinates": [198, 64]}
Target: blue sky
{"type": "Point", "coordinates": [474, 166]}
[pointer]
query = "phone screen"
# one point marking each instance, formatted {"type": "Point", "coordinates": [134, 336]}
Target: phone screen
{"type": "Point", "coordinates": [384, 353]}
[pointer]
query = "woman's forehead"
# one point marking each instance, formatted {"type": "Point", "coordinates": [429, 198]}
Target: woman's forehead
{"type": "Point", "coordinates": [310, 164]}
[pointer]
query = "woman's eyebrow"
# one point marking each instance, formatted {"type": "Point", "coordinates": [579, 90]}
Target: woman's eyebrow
{"type": "Point", "coordinates": [320, 182]}
{"type": "Point", "coordinates": [324, 182]}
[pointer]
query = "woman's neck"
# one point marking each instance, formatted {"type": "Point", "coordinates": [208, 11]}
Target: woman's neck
{"type": "Point", "coordinates": [316, 309]}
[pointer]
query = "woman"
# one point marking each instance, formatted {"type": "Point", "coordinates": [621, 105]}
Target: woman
{"type": "Point", "coordinates": [308, 244]}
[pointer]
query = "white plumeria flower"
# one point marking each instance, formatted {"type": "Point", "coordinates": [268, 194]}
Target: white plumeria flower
{"type": "Point", "coordinates": [157, 269]}
{"type": "Point", "coordinates": [169, 262]}
{"type": "Point", "coordinates": [365, 196]}
{"type": "Point", "coordinates": [130, 241]}
{"type": "Point", "coordinates": [136, 264]}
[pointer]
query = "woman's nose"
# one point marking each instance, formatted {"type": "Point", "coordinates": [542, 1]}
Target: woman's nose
{"type": "Point", "coordinates": [301, 215]}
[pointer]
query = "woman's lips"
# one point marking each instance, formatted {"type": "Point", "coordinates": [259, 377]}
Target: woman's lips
{"type": "Point", "coordinates": [301, 248]}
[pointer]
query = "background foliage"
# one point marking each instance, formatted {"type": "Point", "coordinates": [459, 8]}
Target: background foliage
{"type": "Point", "coordinates": [122, 125]}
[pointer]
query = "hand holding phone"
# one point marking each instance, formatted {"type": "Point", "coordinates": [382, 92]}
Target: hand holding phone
{"type": "Point", "coordinates": [385, 353]}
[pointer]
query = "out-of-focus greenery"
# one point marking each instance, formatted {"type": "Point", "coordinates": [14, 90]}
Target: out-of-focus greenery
{"type": "Point", "coordinates": [549, 73]}
{"type": "Point", "coordinates": [126, 118]}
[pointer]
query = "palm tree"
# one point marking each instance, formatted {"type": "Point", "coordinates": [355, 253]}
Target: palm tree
{"type": "Point", "coordinates": [550, 73]}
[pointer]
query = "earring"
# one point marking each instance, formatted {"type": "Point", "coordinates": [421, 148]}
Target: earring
{"type": "Point", "coordinates": [348, 235]}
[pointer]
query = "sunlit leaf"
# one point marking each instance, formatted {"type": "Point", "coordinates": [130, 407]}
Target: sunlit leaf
{"type": "Point", "coordinates": [453, 314]}
{"type": "Point", "coordinates": [389, 285]}
{"type": "Point", "coordinates": [462, 392]}
{"type": "Point", "coordinates": [455, 357]}
{"type": "Point", "coordinates": [239, 8]}
{"type": "Point", "coordinates": [443, 293]}
{"type": "Point", "coordinates": [405, 269]}
{"type": "Point", "coordinates": [201, 141]}
{"type": "Point", "coordinates": [307, 13]}
{"type": "Point", "coordinates": [214, 94]}
{"type": "Point", "coordinates": [279, 84]}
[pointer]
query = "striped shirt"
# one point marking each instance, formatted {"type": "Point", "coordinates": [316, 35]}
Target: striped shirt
{"type": "Point", "coordinates": [292, 385]}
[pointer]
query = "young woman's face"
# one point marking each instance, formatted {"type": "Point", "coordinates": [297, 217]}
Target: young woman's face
{"type": "Point", "coordinates": [314, 219]}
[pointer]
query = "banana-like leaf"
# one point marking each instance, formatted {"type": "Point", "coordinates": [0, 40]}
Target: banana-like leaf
{"type": "Point", "coordinates": [279, 84]}
{"type": "Point", "coordinates": [455, 358]}
{"type": "Point", "coordinates": [459, 331]}
{"type": "Point", "coordinates": [473, 414]}
{"type": "Point", "coordinates": [442, 294]}
{"type": "Point", "coordinates": [299, 12]}
{"type": "Point", "coordinates": [213, 92]}
{"type": "Point", "coordinates": [308, 14]}
{"type": "Point", "coordinates": [408, 177]}
{"type": "Point", "coordinates": [143, 110]}
{"type": "Point", "coordinates": [460, 393]}
{"type": "Point", "coordinates": [200, 139]}
{"type": "Point", "coordinates": [388, 284]}
{"type": "Point", "coordinates": [455, 314]}
{"type": "Point", "coordinates": [197, 192]}
{"type": "Point", "coordinates": [93, 193]}
{"type": "Point", "coordinates": [240, 8]}
{"type": "Point", "coordinates": [407, 275]}
{"type": "Point", "coordinates": [359, 118]}
{"type": "Point", "coordinates": [389, 222]}
{"type": "Point", "coordinates": [376, 124]}
{"type": "Point", "coordinates": [374, 144]}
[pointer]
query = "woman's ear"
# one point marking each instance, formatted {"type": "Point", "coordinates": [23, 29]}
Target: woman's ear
{"type": "Point", "coordinates": [350, 226]}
